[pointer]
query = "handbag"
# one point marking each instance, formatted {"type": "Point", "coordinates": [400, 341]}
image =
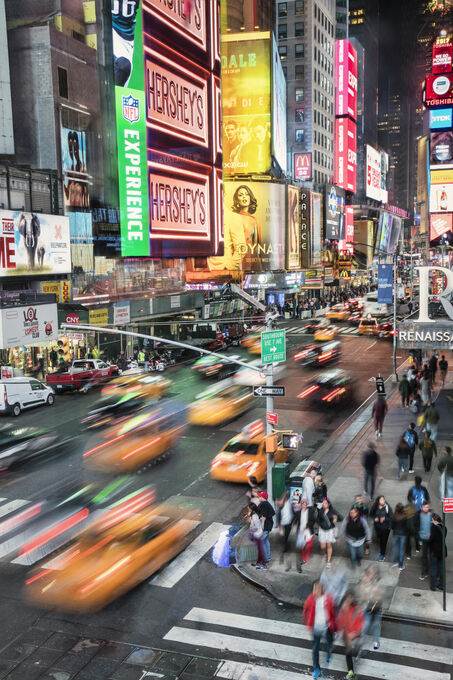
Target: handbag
{"type": "Point", "coordinates": [421, 420]}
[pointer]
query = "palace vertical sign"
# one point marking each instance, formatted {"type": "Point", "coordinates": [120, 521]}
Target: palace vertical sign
{"type": "Point", "coordinates": [305, 228]}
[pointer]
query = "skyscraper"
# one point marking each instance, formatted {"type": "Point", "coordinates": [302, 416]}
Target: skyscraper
{"type": "Point", "coordinates": [306, 44]}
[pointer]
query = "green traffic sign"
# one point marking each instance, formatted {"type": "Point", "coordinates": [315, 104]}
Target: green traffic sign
{"type": "Point", "coordinates": [273, 347]}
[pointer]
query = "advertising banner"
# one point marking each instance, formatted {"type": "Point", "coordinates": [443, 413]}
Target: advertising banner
{"type": "Point", "coordinates": [98, 316]}
{"type": "Point", "coordinates": [33, 244]}
{"type": "Point", "coordinates": [442, 56]}
{"type": "Point", "coordinates": [440, 119]}
{"type": "Point", "coordinates": [346, 154]}
{"type": "Point", "coordinates": [346, 244]}
{"type": "Point", "coordinates": [334, 212]}
{"type": "Point", "coordinates": [439, 90]}
{"type": "Point", "coordinates": [440, 224]}
{"type": "Point", "coordinates": [246, 100]}
{"type": "Point", "coordinates": [377, 165]}
{"type": "Point", "coordinates": [131, 126]}
{"type": "Point", "coordinates": [441, 198]}
{"type": "Point", "coordinates": [30, 325]}
{"type": "Point", "coordinates": [315, 227]}
{"type": "Point", "coordinates": [278, 108]}
{"type": "Point", "coordinates": [385, 284]}
{"type": "Point", "coordinates": [441, 149]}
{"type": "Point", "coordinates": [74, 167]}
{"type": "Point", "coordinates": [61, 289]}
{"type": "Point", "coordinates": [345, 79]}
{"type": "Point", "coordinates": [293, 232]}
{"type": "Point", "coordinates": [121, 313]}
{"type": "Point", "coordinates": [302, 167]}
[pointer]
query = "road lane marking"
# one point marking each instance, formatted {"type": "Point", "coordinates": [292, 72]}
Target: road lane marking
{"type": "Point", "coordinates": [235, 670]}
{"type": "Point", "coordinates": [12, 505]}
{"type": "Point", "coordinates": [174, 572]}
{"type": "Point", "coordinates": [372, 345]}
{"type": "Point", "coordinates": [300, 632]}
{"type": "Point", "coordinates": [286, 653]}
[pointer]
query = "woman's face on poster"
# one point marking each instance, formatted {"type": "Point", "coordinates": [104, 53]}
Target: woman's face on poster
{"type": "Point", "coordinates": [243, 198]}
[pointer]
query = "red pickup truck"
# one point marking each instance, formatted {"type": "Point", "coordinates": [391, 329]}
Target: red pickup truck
{"type": "Point", "coordinates": [83, 374]}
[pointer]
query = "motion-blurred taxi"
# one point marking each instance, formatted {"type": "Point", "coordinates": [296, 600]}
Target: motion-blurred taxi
{"type": "Point", "coordinates": [215, 367]}
{"type": "Point", "coordinates": [368, 326]}
{"type": "Point", "coordinates": [223, 402]}
{"type": "Point", "coordinates": [326, 334]}
{"type": "Point", "coordinates": [250, 339]}
{"type": "Point", "coordinates": [138, 440]}
{"type": "Point", "coordinates": [332, 388]}
{"type": "Point", "coordinates": [245, 456]}
{"type": "Point", "coordinates": [112, 408]}
{"type": "Point", "coordinates": [386, 330]}
{"type": "Point", "coordinates": [315, 324]}
{"type": "Point", "coordinates": [255, 346]}
{"type": "Point", "coordinates": [355, 318]}
{"type": "Point", "coordinates": [337, 313]}
{"type": "Point", "coordinates": [318, 354]}
{"type": "Point", "coordinates": [152, 386]}
{"type": "Point", "coordinates": [122, 548]}
{"type": "Point", "coordinates": [249, 376]}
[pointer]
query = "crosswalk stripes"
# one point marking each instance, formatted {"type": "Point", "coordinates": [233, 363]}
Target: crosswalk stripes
{"type": "Point", "coordinates": [296, 330]}
{"type": "Point", "coordinates": [382, 667]}
{"type": "Point", "coordinates": [235, 670]}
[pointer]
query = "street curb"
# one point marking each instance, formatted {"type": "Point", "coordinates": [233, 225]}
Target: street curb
{"type": "Point", "coordinates": [387, 615]}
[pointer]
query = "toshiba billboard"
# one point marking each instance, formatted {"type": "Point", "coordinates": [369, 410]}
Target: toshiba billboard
{"type": "Point", "coordinates": [345, 79]}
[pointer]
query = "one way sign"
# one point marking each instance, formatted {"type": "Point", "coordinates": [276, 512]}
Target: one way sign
{"type": "Point", "coordinates": [269, 391]}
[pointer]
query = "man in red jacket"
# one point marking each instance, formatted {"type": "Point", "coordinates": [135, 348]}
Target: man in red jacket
{"type": "Point", "coordinates": [319, 616]}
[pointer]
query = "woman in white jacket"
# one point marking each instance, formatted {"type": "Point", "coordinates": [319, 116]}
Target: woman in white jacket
{"type": "Point", "coordinates": [256, 534]}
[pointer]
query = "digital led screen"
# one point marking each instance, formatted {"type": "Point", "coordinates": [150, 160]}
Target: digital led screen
{"type": "Point", "coordinates": [334, 212]}
{"type": "Point", "coordinates": [345, 79]}
{"type": "Point", "coordinates": [440, 119]}
{"type": "Point", "coordinates": [439, 90]}
{"type": "Point", "coordinates": [441, 149]}
{"type": "Point", "coordinates": [377, 165]}
{"type": "Point", "coordinates": [302, 167]}
{"type": "Point", "coordinates": [278, 109]}
{"type": "Point", "coordinates": [346, 154]}
{"type": "Point", "coordinates": [442, 56]}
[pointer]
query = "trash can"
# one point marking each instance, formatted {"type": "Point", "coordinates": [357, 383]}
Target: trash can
{"type": "Point", "coordinates": [280, 476]}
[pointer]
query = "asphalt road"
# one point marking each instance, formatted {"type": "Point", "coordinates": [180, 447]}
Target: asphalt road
{"type": "Point", "coordinates": [148, 613]}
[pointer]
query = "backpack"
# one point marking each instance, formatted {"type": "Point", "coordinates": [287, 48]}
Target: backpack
{"type": "Point", "coordinates": [418, 497]}
{"type": "Point", "coordinates": [409, 438]}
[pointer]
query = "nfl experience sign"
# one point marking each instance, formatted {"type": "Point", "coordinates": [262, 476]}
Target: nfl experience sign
{"type": "Point", "coordinates": [130, 126]}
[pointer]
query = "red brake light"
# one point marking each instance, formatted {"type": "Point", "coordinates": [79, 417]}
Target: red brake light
{"type": "Point", "coordinates": [308, 391]}
{"type": "Point", "coordinates": [333, 394]}
{"type": "Point", "coordinates": [325, 355]}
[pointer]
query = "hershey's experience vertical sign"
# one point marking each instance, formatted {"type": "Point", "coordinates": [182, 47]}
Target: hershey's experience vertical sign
{"type": "Point", "coordinates": [304, 228]}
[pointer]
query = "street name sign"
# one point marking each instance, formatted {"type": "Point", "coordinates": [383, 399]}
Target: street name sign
{"type": "Point", "coordinates": [269, 391]}
{"type": "Point", "coordinates": [448, 504]}
{"type": "Point", "coordinates": [273, 347]}
{"type": "Point", "coordinates": [272, 418]}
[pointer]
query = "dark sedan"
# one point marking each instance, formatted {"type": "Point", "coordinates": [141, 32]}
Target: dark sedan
{"type": "Point", "coordinates": [330, 389]}
{"type": "Point", "coordinates": [318, 354]}
{"type": "Point", "coordinates": [112, 408]}
{"type": "Point", "coordinates": [20, 445]}
{"type": "Point", "coordinates": [214, 367]}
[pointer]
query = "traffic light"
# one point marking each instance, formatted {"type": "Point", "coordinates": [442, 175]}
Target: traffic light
{"type": "Point", "coordinates": [63, 348]}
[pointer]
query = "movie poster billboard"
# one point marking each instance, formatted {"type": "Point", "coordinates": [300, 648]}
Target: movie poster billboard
{"type": "Point", "coordinates": [246, 103]}
{"type": "Point", "coordinates": [32, 244]}
{"type": "Point", "coordinates": [127, 41]}
{"type": "Point", "coordinates": [293, 229]}
{"type": "Point", "coordinates": [74, 167]}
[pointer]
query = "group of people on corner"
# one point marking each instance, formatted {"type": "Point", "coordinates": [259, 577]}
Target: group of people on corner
{"type": "Point", "coordinates": [335, 608]}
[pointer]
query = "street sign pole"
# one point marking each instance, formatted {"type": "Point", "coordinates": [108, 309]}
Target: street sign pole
{"type": "Point", "coordinates": [444, 547]}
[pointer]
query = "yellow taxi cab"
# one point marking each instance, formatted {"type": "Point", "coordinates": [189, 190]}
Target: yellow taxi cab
{"type": "Point", "coordinates": [255, 346]}
{"type": "Point", "coordinates": [245, 456]}
{"type": "Point", "coordinates": [223, 402]}
{"type": "Point", "coordinates": [137, 440]}
{"type": "Point", "coordinates": [368, 326]}
{"type": "Point", "coordinates": [325, 334]}
{"type": "Point", "coordinates": [250, 339]}
{"type": "Point", "coordinates": [152, 386]}
{"type": "Point", "coordinates": [337, 313]}
{"type": "Point", "coordinates": [122, 548]}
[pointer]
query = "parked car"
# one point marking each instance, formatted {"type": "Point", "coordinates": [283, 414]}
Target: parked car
{"type": "Point", "coordinates": [17, 394]}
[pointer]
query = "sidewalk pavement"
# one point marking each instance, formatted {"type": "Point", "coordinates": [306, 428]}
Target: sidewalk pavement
{"type": "Point", "coordinates": [406, 595]}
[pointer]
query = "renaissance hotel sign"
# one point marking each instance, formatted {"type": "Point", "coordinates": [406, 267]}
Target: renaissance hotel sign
{"type": "Point", "coordinates": [168, 108]}
{"type": "Point", "coordinates": [425, 332]}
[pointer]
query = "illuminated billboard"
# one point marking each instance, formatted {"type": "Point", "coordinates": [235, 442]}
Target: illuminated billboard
{"type": "Point", "coordinates": [346, 244]}
{"type": "Point", "coordinates": [33, 244]}
{"type": "Point", "coordinates": [74, 167]}
{"type": "Point", "coordinates": [441, 149]}
{"type": "Point", "coordinates": [334, 212]}
{"type": "Point", "coordinates": [345, 79]}
{"type": "Point", "coordinates": [440, 224]}
{"type": "Point", "coordinates": [346, 153]}
{"type": "Point", "coordinates": [439, 90]}
{"type": "Point", "coordinates": [440, 198]}
{"type": "Point", "coordinates": [440, 119]}
{"type": "Point", "coordinates": [168, 107]}
{"type": "Point", "coordinates": [302, 167]}
{"type": "Point", "coordinates": [293, 229]}
{"type": "Point", "coordinates": [278, 109]}
{"type": "Point", "coordinates": [315, 227]}
{"type": "Point", "coordinates": [442, 56]}
{"type": "Point", "coordinates": [377, 165]}
{"type": "Point", "coordinates": [246, 103]}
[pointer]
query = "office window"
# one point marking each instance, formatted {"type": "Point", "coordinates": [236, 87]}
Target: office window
{"type": "Point", "coordinates": [299, 29]}
{"type": "Point", "coordinates": [300, 71]}
{"type": "Point", "coordinates": [282, 31]}
{"type": "Point", "coordinates": [283, 9]}
{"type": "Point", "coordinates": [282, 52]}
{"type": "Point", "coordinates": [299, 6]}
{"type": "Point", "coordinates": [285, 70]}
{"type": "Point", "coordinates": [299, 136]}
{"type": "Point", "coordinates": [299, 115]}
{"type": "Point", "coordinates": [299, 50]}
{"type": "Point", "coordinates": [299, 94]}
{"type": "Point", "coordinates": [63, 90]}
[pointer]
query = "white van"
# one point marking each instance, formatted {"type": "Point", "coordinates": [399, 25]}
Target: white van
{"type": "Point", "coordinates": [17, 394]}
{"type": "Point", "coordinates": [375, 308]}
